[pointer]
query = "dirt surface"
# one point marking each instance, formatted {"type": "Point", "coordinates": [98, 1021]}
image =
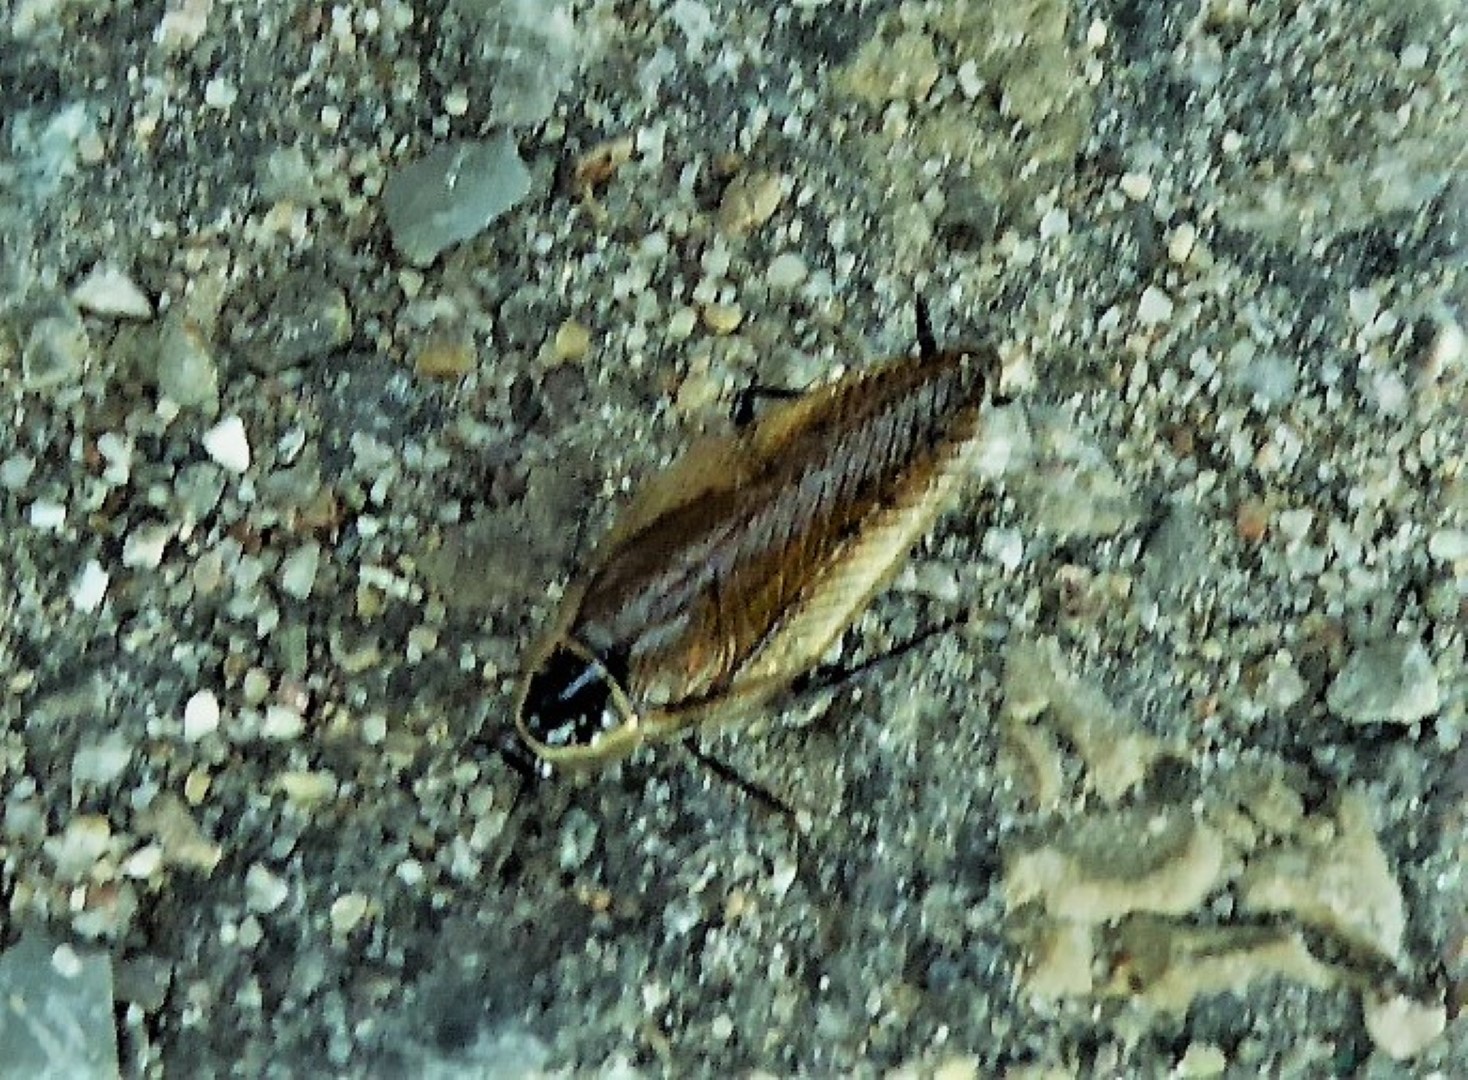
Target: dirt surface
{"type": "Point", "coordinates": [332, 337]}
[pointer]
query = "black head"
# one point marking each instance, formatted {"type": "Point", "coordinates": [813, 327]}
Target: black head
{"type": "Point", "coordinates": [569, 701]}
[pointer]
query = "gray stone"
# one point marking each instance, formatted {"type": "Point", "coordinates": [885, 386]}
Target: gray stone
{"type": "Point", "coordinates": [56, 1010]}
{"type": "Point", "coordinates": [452, 194]}
{"type": "Point", "coordinates": [1390, 681]}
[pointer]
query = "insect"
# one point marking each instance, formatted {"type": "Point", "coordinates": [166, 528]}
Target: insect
{"type": "Point", "coordinates": [735, 570]}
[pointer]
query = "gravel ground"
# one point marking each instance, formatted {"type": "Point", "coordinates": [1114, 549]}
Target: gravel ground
{"type": "Point", "coordinates": [331, 338]}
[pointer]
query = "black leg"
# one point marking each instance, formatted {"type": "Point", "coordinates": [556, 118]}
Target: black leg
{"type": "Point", "coordinates": [766, 798]}
{"type": "Point", "coordinates": [927, 344]}
{"type": "Point", "coordinates": [743, 412]}
{"type": "Point", "coordinates": [828, 676]}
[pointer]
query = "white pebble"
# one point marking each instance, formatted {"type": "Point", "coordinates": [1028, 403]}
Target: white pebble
{"type": "Point", "coordinates": [264, 891]}
{"type": "Point", "coordinates": [786, 271]}
{"type": "Point", "coordinates": [298, 571]}
{"type": "Point", "coordinates": [90, 587]}
{"type": "Point", "coordinates": [143, 863]}
{"type": "Point", "coordinates": [282, 722]}
{"type": "Point", "coordinates": [1136, 186]}
{"type": "Point", "coordinates": [347, 912]}
{"type": "Point", "coordinates": [201, 716]}
{"type": "Point", "coordinates": [1154, 307]}
{"type": "Point", "coordinates": [1448, 545]}
{"type": "Point", "coordinates": [144, 546]}
{"type": "Point", "coordinates": [106, 290]}
{"type": "Point", "coordinates": [227, 444]}
{"type": "Point", "coordinates": [45, 514]}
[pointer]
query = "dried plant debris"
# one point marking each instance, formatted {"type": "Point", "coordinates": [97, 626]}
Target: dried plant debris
{"type": "Point", "coordinates": [1121, 901]}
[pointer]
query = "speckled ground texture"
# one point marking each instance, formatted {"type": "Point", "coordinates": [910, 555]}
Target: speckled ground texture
{"type": "Point", "coordinates": [289, 483]}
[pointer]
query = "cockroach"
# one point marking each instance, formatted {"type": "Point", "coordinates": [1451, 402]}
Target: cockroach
{"type": "Point", "coordinates": [734, 571]}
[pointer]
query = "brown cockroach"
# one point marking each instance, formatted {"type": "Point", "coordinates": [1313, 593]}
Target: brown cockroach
{"type": "Point", "coordinates": [735, 570]}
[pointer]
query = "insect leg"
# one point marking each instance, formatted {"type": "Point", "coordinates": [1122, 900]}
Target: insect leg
{"type": "Point", "coordinates": [761, 795]}
{"type": "Point", "coordinates": [927, 343]}
{"type": "Point", "coordinates": [743, 413]}
{"type": "Point", "coordinates": [830, 676]}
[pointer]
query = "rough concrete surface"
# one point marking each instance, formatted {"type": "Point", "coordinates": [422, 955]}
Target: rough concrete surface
{"type": "Point", "coordinates": [332, 336]}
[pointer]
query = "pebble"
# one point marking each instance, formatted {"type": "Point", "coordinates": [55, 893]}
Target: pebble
{"type": "Point", "coordinates": [452, 194]}
{"type": "Point", "coordinates": [1448, 545]}
{"type": "Point", "coordinates": [47, 515]}
{"type": "Point", "coordinates": [187, 374]}
{"type": "Point", "coordinates": [298, 571]}
{"type": "Point", "coordinates": [1154, 307]}
{"type": "Point", "coordinates": [444, 358]}
{"type": "Point", "coordinates": [106, 290]}
{"type": "Point", "coordinates": [749, 201]}
{"type": "Point", "coordinates": [143, 549]}
{"type": "Point", "coordinates": [723, 318]}
{"type": "Point", "coordinates": [227, 445]}
{"type": "Point", "coordinates": [281, 723]}
{"type": "Point", "coordinates": [89, 588]}
{"type": "Point", "coordinates": [787, 271]}
{"type": "Point", "coordinates": [264, 890]}
{"type": "Point", "coordinates": [56, 353]}
{"type": "Point", "coordinates": [143, 863]}
{"type": "Point", "coordinates": [200, 716]}
{"type": "Point", "coordinates": [572, 342]}
{"type": "Point", "coordinates": [347, 912]}
{"type": "Point", "coordinates": [16, 471]}
{"type": "Point", "coordinates": [1390, 681]}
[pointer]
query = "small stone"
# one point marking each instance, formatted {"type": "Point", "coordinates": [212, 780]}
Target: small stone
{"type": "Point", "coordinates": [89, 588]}
{"type": "Point", "coordinates": [722, 318]}
{"type": "Point", "coordinates": [264, 890]}
{"type": "Point", "coordinates": [1400, 1027]}
{"type": "Point", "coordinates": [103, 761]}
{"type": "Point", "coordinates": [572, 342]}
{"type": "Point", "coordinates": [1448, 545]}
{"type": "Point", "coordinates": [787, 271]}
{"type": "Point", "coordinates": [749, 201]}
{"type": "Point", "coordinates": [304, 318]}
{"type": "Point", "coordinates": [16, 471]}
{"type": "Point", "coordinates": [75, 852]}
{"type": "Point", "coordinates": [186, 372]}
{"type": "Point", "coordinates": [681, 324]}
{"type": "Point", "coordinates": [1251, 521]}
{"type": "Point", "coordinates": [452, 194]}
{"type": "Point", "coordinates": [444, 358]}
{"type": "Point", "coordinates": [47, 515]}
{"type": "Point", "coordinates": [1181, 241]}
{"type": "Point", "coordinates": [298, 571]}
{"type": "Point", "coordinates": [201, 716]}
{"type": "Point", "coordinates": [143, 863]}
{"type": "Point", "coordinates": [347, 912]}
{"type": "Point", "coordinates": [56, 353]}
{"type": "Point", "coordinates": [106, 290]}
{"type": "Point", "coordinates": [1135, 186]}
{"type": "Point", "coordinates": [282, 722]}
{"type": "Point", "coordinates": [1154, 306]}
{"type": "Point", "coordinates": [1388, 681]}
{"type": "Point", "coordinates": [143, 549]}
{"type": "Point", "coordinates": [227, 444]}
{"type": "Point", "coordinates": [307, 788]}
{"type": "Point", "coordinates": [220, 93]}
